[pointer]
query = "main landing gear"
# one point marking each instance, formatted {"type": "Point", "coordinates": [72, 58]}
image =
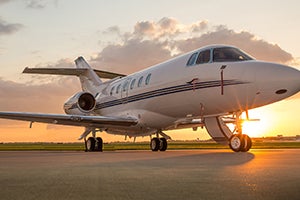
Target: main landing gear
{"type": "Point", "coordinates": [160, 144]}
{"type": "Point", "coordinates": [94, 144]}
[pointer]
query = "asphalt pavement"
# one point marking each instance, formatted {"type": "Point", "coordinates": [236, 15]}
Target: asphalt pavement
{"type": "Point", "coordinates": [178, 174]}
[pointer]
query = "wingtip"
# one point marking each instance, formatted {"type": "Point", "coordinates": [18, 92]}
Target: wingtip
{"type": "Point", "coordinates": [25, 70]}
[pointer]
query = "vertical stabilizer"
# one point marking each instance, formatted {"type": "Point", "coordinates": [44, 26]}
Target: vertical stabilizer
{"type": "Point", "coordinates": [89, 80]}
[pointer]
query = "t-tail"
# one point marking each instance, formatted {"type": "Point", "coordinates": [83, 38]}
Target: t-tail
{"type": "Point", "coordinates": [88, 78]}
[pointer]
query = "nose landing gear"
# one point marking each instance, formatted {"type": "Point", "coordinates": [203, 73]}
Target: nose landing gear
{"type": "Point", "coordinates": [240, 142]}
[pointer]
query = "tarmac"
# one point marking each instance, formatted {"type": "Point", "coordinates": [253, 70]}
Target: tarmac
{"type": "Point", "coordinates": [174, 174]}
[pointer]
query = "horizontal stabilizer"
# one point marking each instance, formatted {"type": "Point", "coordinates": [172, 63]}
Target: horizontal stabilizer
{"type": "Point", "coordinates": [71, 72]}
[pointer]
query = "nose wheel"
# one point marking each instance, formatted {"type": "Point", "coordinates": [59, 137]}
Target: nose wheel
{"type": "Point", "coordinates": [240, 142]}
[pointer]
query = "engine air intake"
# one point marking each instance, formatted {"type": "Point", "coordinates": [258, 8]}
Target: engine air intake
{"type": "Point", "coordinates": [86, 102]}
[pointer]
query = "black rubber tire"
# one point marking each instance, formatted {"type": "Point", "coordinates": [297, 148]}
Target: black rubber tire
{"type": "Point", "coordinates": [154, 144]}
{"type": "Point", "coordinates": [90, 144]}
{"type": "Point", "coordinates": [247, 143]}
{"type": "Point", "coordinates": [236, 142]}
{"type": "Point", "coordinates": [99, 144]}
{"type": "Point", "coordinates": [163, 144]}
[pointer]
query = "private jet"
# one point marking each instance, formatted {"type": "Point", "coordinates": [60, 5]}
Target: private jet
{"type": "Point", "coordinates": [208, 87]}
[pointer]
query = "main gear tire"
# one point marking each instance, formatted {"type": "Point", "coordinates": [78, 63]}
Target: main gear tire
{"type": "Point", "coordinates": [90, 144]}
{"type": "Point", "coordinates": [163, 145]}
{"type": "Point", "coordinates": [155, 144]}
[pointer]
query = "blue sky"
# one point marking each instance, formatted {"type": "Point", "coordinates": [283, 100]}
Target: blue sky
{"type": "Point", "coordinates": [111, 34]}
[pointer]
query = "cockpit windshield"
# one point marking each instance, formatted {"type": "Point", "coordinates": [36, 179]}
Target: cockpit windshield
{"type": "Point", "coordinates": [229, 54]}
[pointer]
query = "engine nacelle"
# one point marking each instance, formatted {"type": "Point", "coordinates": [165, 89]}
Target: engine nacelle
{"type": "Point", "coordinates": [80, 103]}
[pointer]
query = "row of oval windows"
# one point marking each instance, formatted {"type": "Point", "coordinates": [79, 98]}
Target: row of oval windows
{"type": "Point", "coordinates": [132, 84]}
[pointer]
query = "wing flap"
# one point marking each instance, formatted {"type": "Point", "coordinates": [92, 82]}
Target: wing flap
{"type": "Point", "coordinates": [71, 72]}
{"type": "Point", "coordinates": [71, 120]}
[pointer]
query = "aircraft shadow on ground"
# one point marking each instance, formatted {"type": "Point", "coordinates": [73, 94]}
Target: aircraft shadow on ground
{"type": "Point", "coordinates": [203, 159]}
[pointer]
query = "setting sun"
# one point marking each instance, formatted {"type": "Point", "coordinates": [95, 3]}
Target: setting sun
{"type": "Point", "coordinates": [259, 124]}
{"type": "Point", "coordinates": [255, 128]}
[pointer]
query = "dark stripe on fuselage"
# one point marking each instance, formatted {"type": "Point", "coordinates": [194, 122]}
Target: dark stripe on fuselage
{"type": "Point", "coordinates": [167, 91]}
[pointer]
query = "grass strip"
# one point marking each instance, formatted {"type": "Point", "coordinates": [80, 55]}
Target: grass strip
{"type": "Point", "coordinates": [137, 146]}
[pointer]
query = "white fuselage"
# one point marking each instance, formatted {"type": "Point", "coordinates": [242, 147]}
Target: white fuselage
{"type": "Point", "coordinates": [162, 94]}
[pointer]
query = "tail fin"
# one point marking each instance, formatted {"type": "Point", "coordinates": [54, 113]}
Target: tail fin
{"type": "Point", "coordinates": [89, 79]}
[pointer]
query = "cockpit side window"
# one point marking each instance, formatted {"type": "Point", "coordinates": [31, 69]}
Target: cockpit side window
{"type": "Point", "coordinates": [204, 57]}
{"type": "Point", "coordinates": [192, 59]}
{"type": "Point", "coordinates": [229, 54]}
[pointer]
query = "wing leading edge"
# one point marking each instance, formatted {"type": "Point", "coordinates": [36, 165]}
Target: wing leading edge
{"type": "Point", "coordinates": [71, 120]}
{"type": "Point", "coordinates": [71, 72]}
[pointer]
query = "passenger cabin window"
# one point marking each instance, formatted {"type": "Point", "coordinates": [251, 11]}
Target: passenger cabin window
{"type": "Point", "coordinates": [147, 80]}
{"type": "Point", "coordinates": [118, 88]}
{"type": "Point", "coordinates": [112, 90]}
{"type": "Point", "coordinates": [140, 81]}
{"type": "Point", "coordinates": [229, 54]}
{"type": "Point", "coordinates": [125, 86]}
{"type": "Point", "coordinates": [132, 84]}
{"type": "Point", "coordinates": [204, 57]}
{"type": "Point", "coordinates": [192, 59]}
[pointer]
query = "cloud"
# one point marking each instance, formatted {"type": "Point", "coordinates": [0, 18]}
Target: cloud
{"type": "Point", "coordinates": [247, 41]}
{"type": "Point", "coordinates": [199, 26]}
{"type": "Point", "coordinates": [4, 1]}
{"type": "Point", "coordinates": [164, 27]}
{"type": "Point", "coordinates": [48, 97]}
{"type": "Point", "coordinates": [40, 4]}
{"type": "Point", "coordinates": [131, 56]}
{"type": "Point", "coordinates": [7, 28]}
{"type": "Point", "coordinates": [112, 30]}
{"type": "Point", "coordinates": [36, 4]}
{"type": "Point", "coordinates": [42, 94]}
{"type": "Point", "coordinates": [152, 42]}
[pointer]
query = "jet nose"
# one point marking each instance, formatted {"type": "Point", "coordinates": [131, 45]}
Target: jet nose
{"type": "Point", "coordinates": [286, 80]}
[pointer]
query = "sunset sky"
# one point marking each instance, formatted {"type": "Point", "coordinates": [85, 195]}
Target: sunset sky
{"type": "Point", "coordinates": [125, 36]}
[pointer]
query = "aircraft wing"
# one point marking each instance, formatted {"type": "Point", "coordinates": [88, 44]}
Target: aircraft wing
{"type": "Point", "coordinates": [71, 120]}
{"type": "Point", "coordinates": [71, 71]}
